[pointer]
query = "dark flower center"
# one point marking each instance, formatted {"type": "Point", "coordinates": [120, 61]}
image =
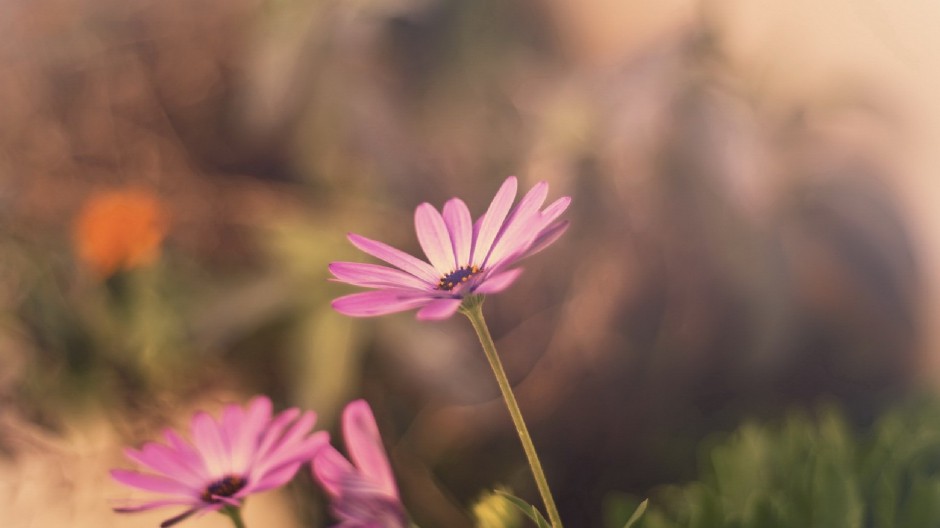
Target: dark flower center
{"type": "Point", "coordinates": [461, 274]}
{"type": "Point", "coordinates": [225, 487]}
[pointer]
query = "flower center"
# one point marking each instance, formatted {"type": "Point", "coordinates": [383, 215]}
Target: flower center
{"type": "Point", "coordinates": [225, 487]}
{"type": "Point", "coordinates": [461, 274]}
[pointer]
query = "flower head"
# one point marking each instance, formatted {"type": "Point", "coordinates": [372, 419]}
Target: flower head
{"type": "Point", "coordinates": [363, 493]}
{"type": "Point", "coordinates": [247, 451]}
{"type": "Point", "coordinates": [466, 258]}
{"type": "Point", "coordinates": [120, 229]}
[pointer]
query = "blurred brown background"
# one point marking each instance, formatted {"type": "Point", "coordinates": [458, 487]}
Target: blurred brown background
{"type": "Point", "coordinates": [753, 228]}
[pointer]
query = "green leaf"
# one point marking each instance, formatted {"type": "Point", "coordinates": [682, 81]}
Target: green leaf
{"type": "Point", "coordinates": [529, 510]}
{"type": "Point", "coordinates": [637, 514]}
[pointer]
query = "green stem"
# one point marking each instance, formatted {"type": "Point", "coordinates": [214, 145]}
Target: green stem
{"type": "Point", "coordinates": [473, 309]}
{"type": "Point", "coordinates": [235, 514]}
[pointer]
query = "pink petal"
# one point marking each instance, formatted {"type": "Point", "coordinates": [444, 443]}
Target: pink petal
{"type": "Point", "coordinates": [434, 238]}
{"type": "Point", "coordinates": [208, 440]}
{"type": "Point", "coordinates": [271, 434]}
{"type": "Point", "coordinates": [245, 439]}
{"type": "Point", "coordinates": [372, 303]}
{"type": "Point", "coordinates": [295, 450]}
{"type": "Point", "coordinates": [364, 445]}
{"type": "Point", "coordinates": [492, 220]}
{"type": "Point", "coordinates": [151, 482]}
{"type": "Point", "coordinates": [331, 469]}
{"type": "Point", "coordinates": [518, 228]}
{"type": "Point", "coordinates": [179, 518]}
{"type": "Point", "coordinates": [375, 276]}
{"type": "Point", "coordinates": [439, 309]}
{"type": "Point", "coordinates": [397, 258]}
{"type": "Point", "coordinates": [555, 209]}
{"type": "Point", "coordinates": [186, 452]}
{"type": "Point", "coordinates": [164, 460]}
{"type": "Point", "coordinates": [150, 505]}
{"type": "Point", "coordinates": [499, 282]}
{"type": "Point", "coordinates": [547, 237]}
{"type": "Point", "coordinates": [289, 456]}
{"type": "Point", "coordinates": [460, 226]}
{"type": "Point", "coordinates": [269, 446]}
{"type": "Point", "coordinates": [524, 224]}
{"type": "Point", "coordinates": [275, 478]}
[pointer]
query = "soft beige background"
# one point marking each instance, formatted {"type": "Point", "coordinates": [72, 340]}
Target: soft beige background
{"type": "Point", "coordinates": [791, 49]}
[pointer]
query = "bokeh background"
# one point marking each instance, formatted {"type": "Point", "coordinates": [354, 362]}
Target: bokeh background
{"type": "Point", "coordinates": [754, 230]}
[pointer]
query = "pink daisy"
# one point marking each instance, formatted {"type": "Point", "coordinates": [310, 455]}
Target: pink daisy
{"type": "Point", "coordinates": [247, 451]}
{"type": "Point", "coordinates": [466, 258]}
{"type": "Point", "coordinates": [363, 495]}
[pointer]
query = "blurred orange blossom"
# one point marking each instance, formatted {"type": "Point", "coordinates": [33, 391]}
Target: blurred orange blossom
{"type": "Point", "coordinates": [120, 229]}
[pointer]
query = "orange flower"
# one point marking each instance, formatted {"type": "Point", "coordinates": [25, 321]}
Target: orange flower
{"type": "Point", "coordinates": [119, 230]}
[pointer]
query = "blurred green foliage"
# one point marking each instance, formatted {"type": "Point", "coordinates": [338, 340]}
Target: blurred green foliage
{"type": "Point", "coordinates": [811, 471]}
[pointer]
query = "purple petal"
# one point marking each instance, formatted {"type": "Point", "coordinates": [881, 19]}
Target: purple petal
{"type": "Point", "coordinates": [492, 220]}
{"type": "Point", "coordinates": [434, 238]}
{"type": "Point", "coordinates": [547, 237]}
{"type": "Point", "coordinates": [555, 209]}
{"type": "Point", "coordinates": [272, 433]}
{"type": "Point", "coordinates": [364, 445]}
{"type": "Point", "coordinates": [186, 452]}
{"type": "Point", "coordinates": [268, 450]}
{"type": "Point", "coordinates": [292, 450]}
{"type": "Point", "coordinates": [460, 225]}
{"type": "Point", "coordinates": [397, 258]}
{"type": "Point", "coordinates": [376, 276]}
{"type": "Point", "coordinates": [275, 471]}
{"type": "Point", "coordinates": [208, 440]}
{"type": "Point", "coordinates": [150, 505]}
{"type": "Point", "coordinates": [439, 309]}
{"type": "Point", "coordinates": [331, 469]}
{"type": "Point", "coordinates": [179, 518]}
{"type": "Point", "coordinates": [275, 478]}
{"type": "Point", "coordinates": [524, 225]}
{"type": "Point", "coordinates": [164, 460]}
{"type": "Point", "coordinates": [499, 282]}
{"type": "Point", "coordinates": [151, 482]}
{"type": "Point", "coordinates": [372, 303]}
{"type": "Point", "coordinates": [245, 437]}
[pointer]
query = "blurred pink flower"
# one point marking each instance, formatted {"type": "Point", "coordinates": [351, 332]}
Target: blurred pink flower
{"type": "Point", "coordinates": [247, 451]}
{"type": "Point", "coordinates": [465, 258]}
{"type": "Point", "coordinates": [363, 495]}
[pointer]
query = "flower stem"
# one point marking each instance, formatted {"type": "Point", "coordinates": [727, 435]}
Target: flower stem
{"type": "Point", "coordinates": [235, 514]}
{"type": "Point", "coordinates": [473, 309]}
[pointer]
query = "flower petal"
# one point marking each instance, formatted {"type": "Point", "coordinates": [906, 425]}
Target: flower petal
{"type": "Point", "coordinates": [208, 440]}
{"type": "Point", "coordinates": [547, 237]}
{"type": "Point", "coordinates": [252, 427]}
{"type": "Point", "coordinates": [275, 477]}
{"type": "Point", "coordinates": [555, 209]}
{"type": "Point", "coordinates": [155, 483]}
{"type": "Point", "coordinates": [520, 226]}
{"type": "Point", "coordinates": [150, 505]}
{"type": "Point", "coordinates": [439, 309]}
{"type": "Point", "coordinates": [373, 303]}
{"type": "Point", "coordinates": [331, 469]}
{"type": "Point", "coordinates": [492, 221]}
{"type": "Point", "coordinates": [434, 238]}
{"type": "Point", "coordinates": [460, 225]}
{"type": "Point", "coordinates": [396, 257]}
{"type": "Point", "coordinates": [499, 281]}
{"type": "Point", "coordinates": [164, 460]}
{"type": "Point", "coordinates": [364, 444]}
{"type": "Point", "coordinates": [376, 276]}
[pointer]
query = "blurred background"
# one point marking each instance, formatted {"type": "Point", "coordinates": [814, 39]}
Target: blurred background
{"type": "Point", "coordinates": [754, 231]}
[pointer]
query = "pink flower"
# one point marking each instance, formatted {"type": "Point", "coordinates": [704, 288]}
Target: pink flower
{"type": "Point", "coordinates": [247, 451]}
{"type": "Point", "coordinates": [363, 495]}
{"type": "Point", "coordinates": [465, 258]}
